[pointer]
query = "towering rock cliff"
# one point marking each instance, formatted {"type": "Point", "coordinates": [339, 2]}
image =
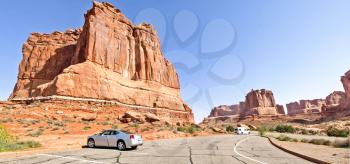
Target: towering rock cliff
{"type": "Point", "coordinates": [346, 83]}
{"type": "Point", "coordinates": [261, 102]}
{"type": "Point", "coordinates": [109, 59]}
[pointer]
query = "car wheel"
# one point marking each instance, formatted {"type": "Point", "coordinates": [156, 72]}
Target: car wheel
{"type": "Point", "coordinates": [91, 143]}
{"type": "Point", "coordinates": [121, 145]}
{"type": "Point", "coordinates": [134, 147]}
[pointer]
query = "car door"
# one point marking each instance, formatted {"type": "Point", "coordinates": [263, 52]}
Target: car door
{"type": "Point", "coordinates": [101, 139]}
{"type": "Point", "coordinates": [112, 139]}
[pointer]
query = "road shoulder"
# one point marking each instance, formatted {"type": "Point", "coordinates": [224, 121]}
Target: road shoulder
{"type": "Point", "coordinates": [313, 153]}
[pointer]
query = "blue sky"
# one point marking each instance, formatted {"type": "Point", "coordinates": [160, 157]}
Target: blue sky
{"type": "Point", "coordinates": [222, 50]}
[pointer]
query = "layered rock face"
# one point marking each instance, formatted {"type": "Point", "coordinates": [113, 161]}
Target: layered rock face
{"type": "Point", "coordinates": [225, 110]}
{"type": "Point", "coordinates": [261, 102]}
{"type": "Point", "coordinates": [109, 59]}
{"type": "Point", "coordinates": [280, 109]}
{"type": "Point", "coordinates": [305, 106]}
{"type": "Point", "coordinates": [336, 98]}
{"type": "Point", "coordinates": [346, 83]}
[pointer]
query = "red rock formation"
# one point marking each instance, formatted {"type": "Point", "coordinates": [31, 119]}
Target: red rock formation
{"type": "Point", "coordinates": [346, 83]}
{"type": "Point", "coordinates": [258, 102]}
{"type": "Point", "coordinates": [305, 106]}
{"type": "Point", "coordinates": [280, 109]}
{"type": "Point", "coordinates": [225, 110]}
{"type": "Point", "coordinates": [261, 102]}
{"type": "Point", "coordinates": [109, 59]}
{"type": "Point", "coordinates": [336, 98]}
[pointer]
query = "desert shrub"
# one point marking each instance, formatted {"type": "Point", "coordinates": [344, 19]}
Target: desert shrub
{"type": "Point", "coordinates": [87, 127]}
{"type": "Point", "coordinates": [262, 130]}
{"type": "Point", "coordinates": [144, 129]}
{"type": "Point", "coordinates": [55, 128]}
{"type": "Point", "coordinates": [333, 131]}
{"type": "Point", "coordinates": [304, 140]}
{"type": "Point", "coordinates": [285, 129]}
{"type": "Point", "coordinates": [58, 123]}
{"type": "Point", "coordinates": [5, 136]}
{"type": "Point", "coordinates": [66, 132]}
{"type": "Point", "coordinates": [105, 123]}
{"type": "Point", "coordinates": [284, 138]}
{"type": "Point", "coordinates": [10, 143]}
{"type": "Point", "coordinates": [36, 133]}
{"type": "Point", "coordinates": [320, 142]}
{"type": "Point", "coordinates": [6, 120]}
{"type": "Point", "coordinates": [304, 131]}
{"type": "Point", "coordinates": [295, 140]}
{"type": "Point", "coordinates": [230, 128]}
{"type": "Point", "coordinates": [114, 126]}
{"type": "Point", "coordinates": [189, 129]}
{"type": "Point", "coordinates": [342, 143]}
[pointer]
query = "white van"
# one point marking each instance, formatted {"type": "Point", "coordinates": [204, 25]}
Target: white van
{"type": "Point", "coordinates": [242, 130]}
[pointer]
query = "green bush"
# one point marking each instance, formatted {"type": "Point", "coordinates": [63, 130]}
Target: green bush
{"type": "Point", "coordinates": [333, 131]}
{"type": "Point", "coordinates": [10, 143]}
{"type": "Point", "coordinates": [285, 129]}
{"type": "Point", "coordinates": [262, 130]}
{"type": "Point", "coordinates": [284, 138]}
{"type": "Point", "coordinates": [189, 129]}
{"type": "Point", "coordinates": [230, 128]}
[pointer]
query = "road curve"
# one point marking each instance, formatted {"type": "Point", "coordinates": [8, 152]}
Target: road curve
{"type": "Point", "coordinates": [224, 149]}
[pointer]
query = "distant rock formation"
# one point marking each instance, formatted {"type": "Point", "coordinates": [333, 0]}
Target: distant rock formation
{"type": "Point", "coordinates": [305, 106]}
{"type": "Point", "coordinates": [108, 59]}
{"type": "Point", "coordinates": [225, 110]}
{"type": "Point", "coordinates": [257, 102]}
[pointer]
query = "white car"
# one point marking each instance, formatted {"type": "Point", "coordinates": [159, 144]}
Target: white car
{"type": "Point", "coordinates": [115, 138]}
{"type": "Point", "coordinates": [242, 130]}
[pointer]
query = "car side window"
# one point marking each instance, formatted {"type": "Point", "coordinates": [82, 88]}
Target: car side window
{"type": "Point", "coordinates": [114, 133]}
{"type": "Point", "coordinates": [106, 133]}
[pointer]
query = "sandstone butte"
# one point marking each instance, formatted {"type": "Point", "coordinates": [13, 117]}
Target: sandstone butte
{"type": "Point", "coordinates": [109, 60]}
{"type": "Point", "coordinates": [258, 102]}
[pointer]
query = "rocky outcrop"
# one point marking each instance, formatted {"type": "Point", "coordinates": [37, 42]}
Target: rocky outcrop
{"type": "Point", "coordinates": [280, 109]}
{"type": "Point", "coordinates": [305, 106]}
{"type": "Point", "coordinates": [257, 102]}
{"type": "Point", "coordinates": [109, 59]}
{"type": "Point", "coordinates": [225, 110]}
{"type": "Point", "coordinates": [346, 83]}
{"type": "Point", "coordinates": [260, 102]}
{"type": "Point", "coordinates": [336, 98]}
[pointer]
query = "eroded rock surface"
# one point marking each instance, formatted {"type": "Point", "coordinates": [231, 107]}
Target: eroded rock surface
{"type": "Point", "coordinates": [108, 59]}
{"type": "Point", "coordinates": [336, 98]}
{"type": "Point", "coordinates": [305, 106]}
{"type": "Point", "coordinates": [346, 83]}
{"type": "Point", "coordinates": [261, 102]}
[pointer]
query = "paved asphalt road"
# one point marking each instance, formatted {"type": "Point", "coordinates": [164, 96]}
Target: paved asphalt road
{"type": "Point", "coordinates": [200, 150]}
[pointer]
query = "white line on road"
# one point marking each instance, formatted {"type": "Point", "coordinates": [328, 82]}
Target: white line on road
{"type": "Point", "coordinates": [82, 160]}
{"type": "Point", "coordinates": [235, 149]}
